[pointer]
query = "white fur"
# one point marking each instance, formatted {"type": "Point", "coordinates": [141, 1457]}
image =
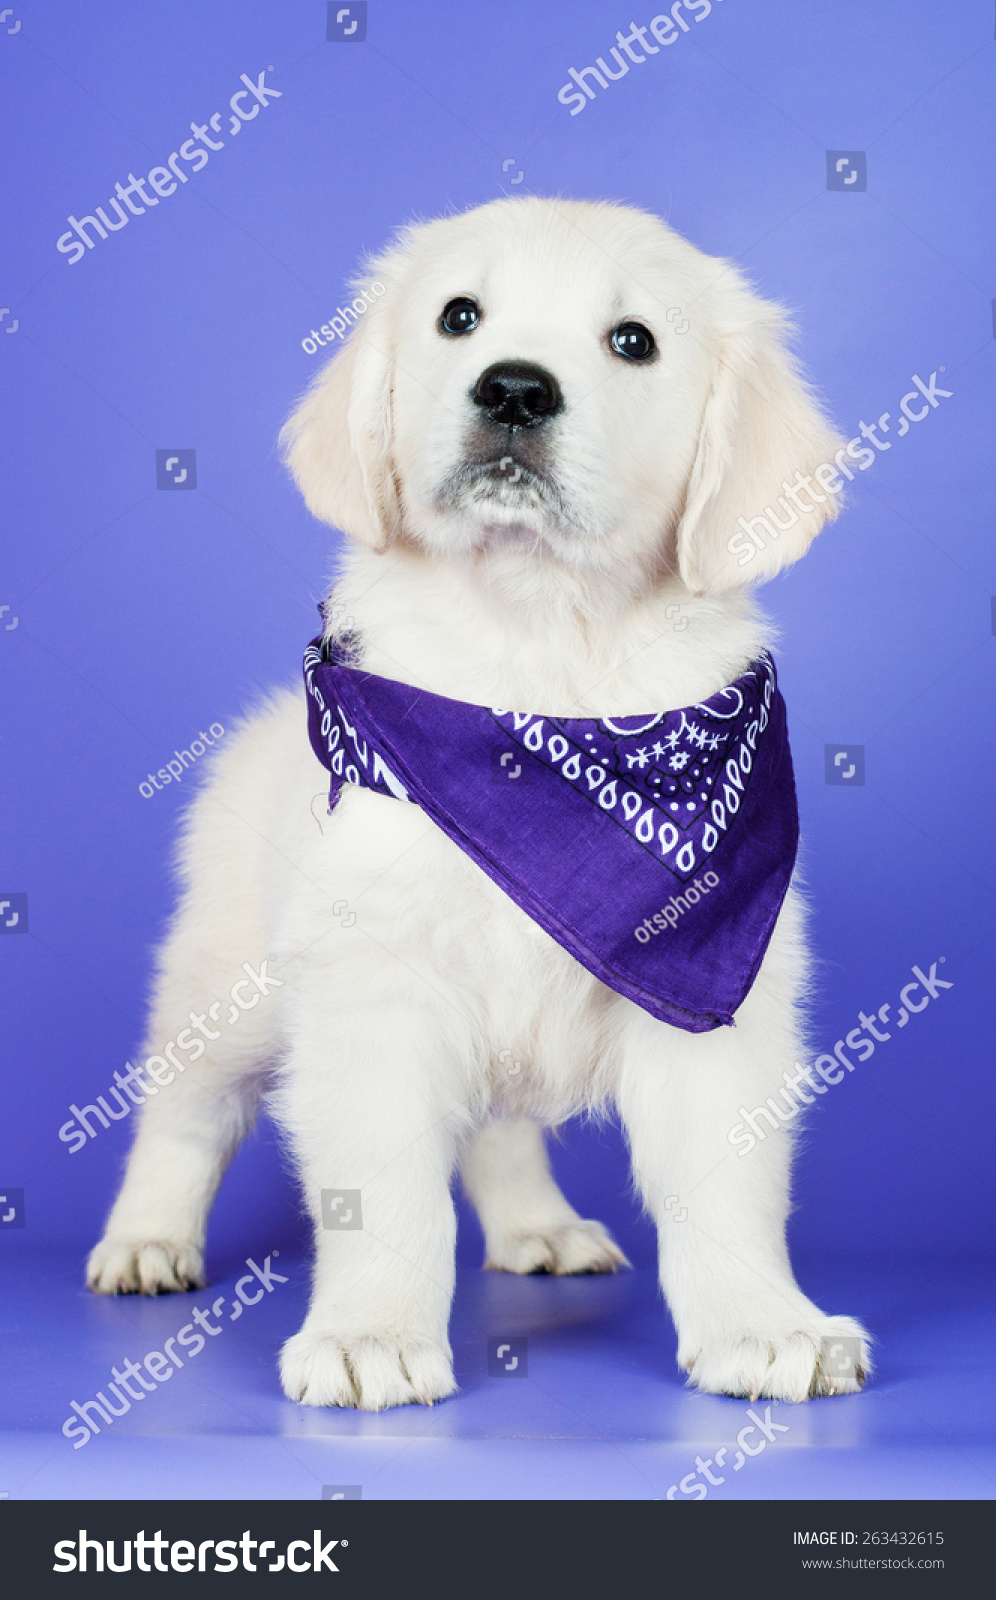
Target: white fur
{"type": "Point", "coordinates": [396, 1031]}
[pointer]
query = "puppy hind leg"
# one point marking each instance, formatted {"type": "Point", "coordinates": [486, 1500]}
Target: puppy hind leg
{"type": "Point", "coordinates": [528, 1225]}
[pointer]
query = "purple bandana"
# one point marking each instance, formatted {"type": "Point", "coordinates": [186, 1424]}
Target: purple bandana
{"type": "Point", "coordinates": [656, 849]}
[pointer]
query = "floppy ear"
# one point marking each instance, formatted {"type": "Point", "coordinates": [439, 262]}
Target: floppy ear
{"type": "Point", "coordinates": [761, 431]}
{"type": "Point", "coordinates": [338, 441]}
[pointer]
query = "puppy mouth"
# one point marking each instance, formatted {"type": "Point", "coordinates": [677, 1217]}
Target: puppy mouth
{"type": "Point", "coordinates": [506, 485]}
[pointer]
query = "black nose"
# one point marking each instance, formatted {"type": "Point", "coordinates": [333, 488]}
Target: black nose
{"type": "Point", "coordinates": [517, 394]}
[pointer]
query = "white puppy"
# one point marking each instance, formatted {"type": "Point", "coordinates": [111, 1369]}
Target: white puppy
{"type": "Point", "coordinates": [524, 545]}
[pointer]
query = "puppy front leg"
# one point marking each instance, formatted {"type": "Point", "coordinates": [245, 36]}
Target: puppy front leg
{"type": "Point", "coordinates": [190, 1125]}
{"type": "Point", "coordinates": [153, 1242]}
{"type": "Point", "coordinates": [744, 1325]}
{"type": "Point", "coordinates": [375, 1129]}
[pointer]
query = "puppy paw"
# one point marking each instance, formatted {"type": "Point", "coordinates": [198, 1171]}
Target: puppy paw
{"type": "Point", "coordinates": [573, 1247]}
{"type": "Point", "coordinates": [828, 1356]}
{"type": "Point", "coordinates": [370, 1374]}
{"type": "Point", "coordinates": [130, 1266]}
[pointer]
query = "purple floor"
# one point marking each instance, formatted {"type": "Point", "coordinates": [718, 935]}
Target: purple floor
{"type": "Point", "coordinates": [602, 1413]}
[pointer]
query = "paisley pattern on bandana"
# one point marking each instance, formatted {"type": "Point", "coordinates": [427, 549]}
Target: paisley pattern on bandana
{"type": "Point", "coordinates": [657, 848]}
{"type": "Point", "coordinates": [673, 781]}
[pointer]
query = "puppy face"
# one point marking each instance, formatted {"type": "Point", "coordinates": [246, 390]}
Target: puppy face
{"type": "Point", "coordinates": [551, 381]}
{"type": "Point", "coordinates": [541, 397]}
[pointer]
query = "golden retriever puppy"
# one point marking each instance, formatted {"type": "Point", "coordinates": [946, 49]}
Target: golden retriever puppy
{"type": "Point", "coordinates": [552, 440]}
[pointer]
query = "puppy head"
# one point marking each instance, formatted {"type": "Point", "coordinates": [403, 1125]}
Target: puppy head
{"type": "Point", "coordinates": [556, 381]}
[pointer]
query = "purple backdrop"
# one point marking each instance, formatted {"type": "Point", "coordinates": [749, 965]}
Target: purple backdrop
{"type": "Point", "coordinates": [139, 616]}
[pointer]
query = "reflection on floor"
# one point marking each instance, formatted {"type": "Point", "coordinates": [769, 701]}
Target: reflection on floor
{"type": "Point", "coordinates": [599, 1411]}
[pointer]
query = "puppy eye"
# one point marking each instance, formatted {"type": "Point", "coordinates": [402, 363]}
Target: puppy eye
{"type": "Point", "coordinates": [634, 341]}
{"type": "Point", "coordinates": [460, 316]}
